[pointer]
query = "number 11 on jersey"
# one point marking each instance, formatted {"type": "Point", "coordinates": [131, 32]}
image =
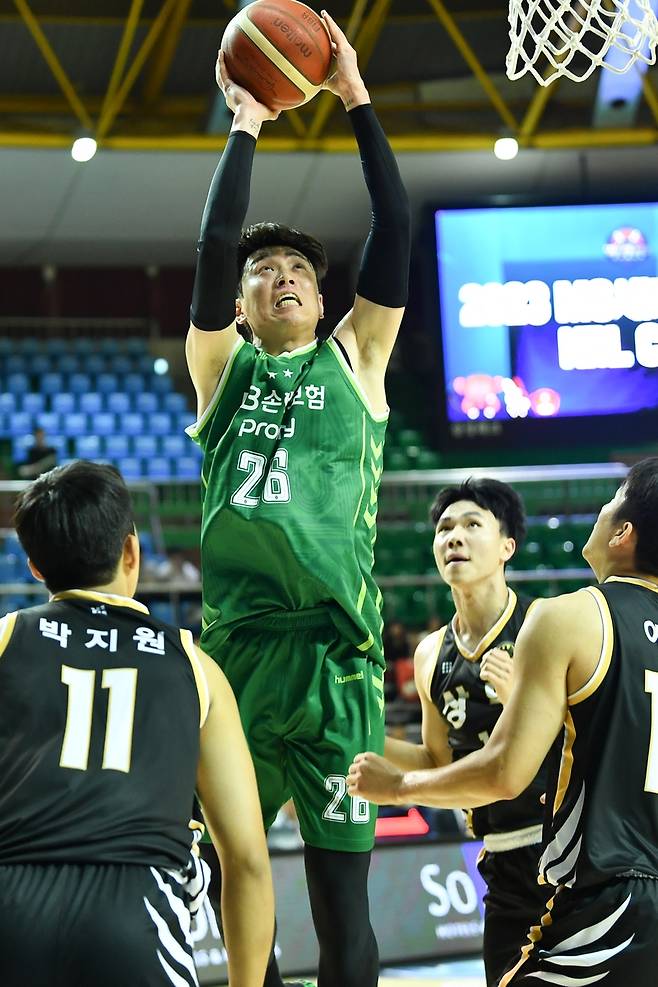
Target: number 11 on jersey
{"type": "Point", "coordinates": [121, 684]}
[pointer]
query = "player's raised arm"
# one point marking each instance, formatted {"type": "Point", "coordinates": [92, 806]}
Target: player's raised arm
{"type": "Point", "coordinates": [382, 286]}
{"type": "Point", "coordinates": [227, 790]}
{"type": "Point", "coordinates": [213, 334]}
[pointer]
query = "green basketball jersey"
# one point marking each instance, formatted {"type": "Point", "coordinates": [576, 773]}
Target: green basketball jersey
{"type": "Point", "coordinates": [292, 465]}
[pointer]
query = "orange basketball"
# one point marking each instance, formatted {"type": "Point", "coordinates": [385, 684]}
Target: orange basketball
{"type": "Point", "coordinates": [278, 50]}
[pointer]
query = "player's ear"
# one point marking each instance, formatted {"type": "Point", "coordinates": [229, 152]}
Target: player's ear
{"type": "Point", "coordinates": [321, 305]}
{"type": "Point", "coordinates": [240, 316]}
{"type": "Point", "coordinates": [509, 548]}
{"type": "Point", "coordinates": [624, 536]}
{"type": "Point", "coordinates": [131, 552]}
{"type": "Point", "coordinates": [35, 572]}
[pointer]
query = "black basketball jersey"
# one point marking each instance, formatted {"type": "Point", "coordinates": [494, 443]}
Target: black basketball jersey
{"type": "Point", "coordinates": [471, 709]}
{"type": "Point", "coordinates": [100, 709]}
{"type": "Point", "coordinates": [602, 805]}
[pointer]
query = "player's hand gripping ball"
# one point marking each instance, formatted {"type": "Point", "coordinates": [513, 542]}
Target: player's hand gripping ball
{"type": "Point", "coordinates": [279, 51]}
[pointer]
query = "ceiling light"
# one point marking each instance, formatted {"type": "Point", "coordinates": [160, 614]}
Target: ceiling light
{"type": "Point", "coordinates": [506, 148]}
{"type": "Point", "coordinates": [83, 149]}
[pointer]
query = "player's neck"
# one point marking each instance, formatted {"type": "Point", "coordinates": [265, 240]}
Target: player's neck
{"type": "Point", "coordinates": [289, 343]}
{"type": "Point", "coordinates": [478, 606]}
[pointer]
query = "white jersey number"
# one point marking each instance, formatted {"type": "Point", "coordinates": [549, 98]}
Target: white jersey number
{"type": "Point", "coordinates": [121, 684]}
{"type": "Point", "coordinates": [276, 488]}
{"type": "Point", "coordinates": [651, 686]}
{"type": "Point", "coordinates": [359, 808]}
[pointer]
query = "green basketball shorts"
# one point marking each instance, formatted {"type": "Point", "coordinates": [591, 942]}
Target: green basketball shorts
{"type": "Point", "coordinates": [309, 702]}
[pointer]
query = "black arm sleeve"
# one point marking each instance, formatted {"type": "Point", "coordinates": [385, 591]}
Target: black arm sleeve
{"type": "Point", "coordinates": [384, 273]}
{"type": "Point", "coordinates": [215, 282]}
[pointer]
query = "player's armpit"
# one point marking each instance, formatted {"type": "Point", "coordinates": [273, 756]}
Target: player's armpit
{"type": "Point", "coordinates": [207, 354]}
{"type": "Point", "coordinates": [226, 785]}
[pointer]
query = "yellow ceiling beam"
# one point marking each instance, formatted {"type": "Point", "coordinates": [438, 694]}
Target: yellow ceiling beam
{"type": "Point", "coordinates": [53, 63]}
{"type": "Point", "coordinates": [473, 62]}
{"type": "Point", "coordinates": [136, 67]}
{"type": "Point", "coordinates": [650, 95]}
{"type": "Point", "coordinates": [162, 59]}
{"type": "Point", "coordinates": [363, 34]}
{"type": "Point", "coordinates": [127, 38]}
{"type": "Point", "coordinates": [535, 110]}
{"type": "Point", "coordinates": [413, 142]}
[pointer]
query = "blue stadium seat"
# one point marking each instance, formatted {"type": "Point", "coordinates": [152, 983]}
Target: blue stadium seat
{"type": "Point", "coordinates": [144, 364]}
{"type": "Point", "coordinates": [49, 421]}
{"type": "Point", "coordinates": [145, 445]}
{"type": "Point", "coordinates": [130, 468]}
{"type": "Point", "coordinates": [52, 383]}
{"type": "Point", "coordinates": [60, 443]}
{"type": "Point", "coordinates": [64, 403]}
{"type": "Point", "coordinates": [107, 383]}
{"type": "Point", "coordinates": [8, 402]}
{"type": "Point", "coordinates": [67, 364]}
{"type": "Point", "coordinates": [119, 403]}
{"type": "Point", "coordinates": [135, 345]}
{"type": "Point", "coordinates": [174, 402]}
{"type": "Point", "coordinates": [20, 423]}
{"type": "Point", "coordinates": [91, 402]}
{"type": "Point", "coordinates": [87, 446]}
{"type": "Point", "coordinates": [120, 364]}
{"type": "Point", "coordinates": [159, 468]}
{"type": "Point", "coordinates": [174, 445]}
{"type": "Point", "coordinates": [28, 345]}
{"type": "Point", "coordinates": [160, 383]}
{"type": "Point", "coordinates": [132, 423]}
{"type": "Point", "coordinates": [56, 347]}
{"type": "Point", "coordinates": [147, 402]}
{"type": "Point", "coordinates": [20, 444]}
{"type": "Point", "coordinates": [40, 363]}
{"type": "Point", "coordinates": [33, 403]}
{"type": "Point", "coordinates": [79, 383]}
{"type": "Point", "coordinates": [183, 419]}
{"type": "Point", "coordinates": [108, 345]}
{"type": "Point", "coordinates": [116, 446]}
{"type": "Point", "coordinates": [82, 345]}
{"type": "Point", "coordinates": [4, 426]}
{"type": "Point", "coordinates": [104, 423]}
{"type": "Point", "coordinates": [187, 468]}
{"type": "Point", "coordinates": [8, 569]}
{"type": "Point", "coordinates": [159, 423]}
{"type": "Point", "coordinates": [75, 423]}
{"type": "Point", "coordinates": [133, 383]}
{"type": "Point", "coordinates": [16, 363]}
{"type": "Point", "coordinates": [95, 363]}
{"type": "Point", "coordinates": [17, 383]}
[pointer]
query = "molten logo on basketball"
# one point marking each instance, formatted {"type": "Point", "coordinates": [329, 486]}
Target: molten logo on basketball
{"type": "Point", "coordinates": [293, 36]}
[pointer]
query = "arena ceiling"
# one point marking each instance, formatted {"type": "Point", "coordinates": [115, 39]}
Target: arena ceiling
{"type": "Point", "coordinates": [138, 75]}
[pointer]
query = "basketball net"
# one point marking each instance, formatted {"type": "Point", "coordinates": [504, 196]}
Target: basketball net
{"type": "Point", "coordinates": [553, 38]}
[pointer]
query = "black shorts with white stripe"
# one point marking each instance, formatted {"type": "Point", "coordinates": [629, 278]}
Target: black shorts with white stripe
{"type": "Point", "coordinates": [603, 933]}
{"type": "Point", "coordinates": [78, 925]}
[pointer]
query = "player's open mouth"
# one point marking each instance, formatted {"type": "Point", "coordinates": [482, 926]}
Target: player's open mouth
{"type": "Point", "coordinates": [456, 558]}
{"type": "Point", "coordinates": [284, 301]}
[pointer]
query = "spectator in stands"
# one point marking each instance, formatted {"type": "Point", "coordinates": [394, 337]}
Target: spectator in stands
{"type": "Point", "coordinates": [396, 641]}
{"type": "Point", "coordinates": [39, 459]}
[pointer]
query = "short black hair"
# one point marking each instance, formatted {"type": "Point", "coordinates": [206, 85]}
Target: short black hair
{"type": "Point", "coordinates": [263, 235]}
{"type": "Point", "coordinates": [640, 507]}
{"type": "Point", "coordinates": [491, 495]}
{"type": "Point", "coordinates": [73, 522]}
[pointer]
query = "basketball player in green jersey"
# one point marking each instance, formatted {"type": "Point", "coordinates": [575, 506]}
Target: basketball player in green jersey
{"type": "Point", "coordinates": [586, 672]}
{"type": "Point", "coordinates": [292, 432]}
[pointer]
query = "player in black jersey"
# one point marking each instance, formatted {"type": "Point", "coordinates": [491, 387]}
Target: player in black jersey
{"type": "Point", "coordinates": [109, 718]}
{"type": "Point", "coordinates": [463, 674]}
{"type": "Point", "coordinates": [586, 672]}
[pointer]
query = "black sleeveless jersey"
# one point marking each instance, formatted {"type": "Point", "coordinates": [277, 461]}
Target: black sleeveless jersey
{"type": "Point", "coordinates": [100, 709]}
{"type": "Point", "coordinates": [602, 802]}
{"type": "Point", "coordinates": [471, 709]}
